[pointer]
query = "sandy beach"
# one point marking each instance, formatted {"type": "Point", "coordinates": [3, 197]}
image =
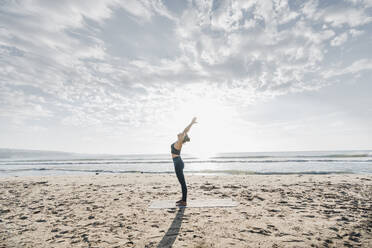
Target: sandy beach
{"type": "Point", "coordinates": [112, 211]}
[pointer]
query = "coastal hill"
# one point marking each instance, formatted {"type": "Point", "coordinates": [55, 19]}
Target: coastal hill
{"type": "Point", "coordinates": [9, 153]}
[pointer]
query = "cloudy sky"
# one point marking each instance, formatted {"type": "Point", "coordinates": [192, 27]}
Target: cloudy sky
{"type": "Point", "coordinates": [125, 76]}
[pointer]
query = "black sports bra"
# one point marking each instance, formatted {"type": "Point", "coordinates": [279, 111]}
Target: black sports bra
{"type": "Point", "coordinates": [174, 150]}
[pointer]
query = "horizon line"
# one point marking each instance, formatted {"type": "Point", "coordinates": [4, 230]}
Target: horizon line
{"type": "Point", "coordinates": [137, 154]}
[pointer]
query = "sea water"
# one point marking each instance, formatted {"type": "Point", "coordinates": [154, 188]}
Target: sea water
{"type": "Point", "coordinates": [309, 162]}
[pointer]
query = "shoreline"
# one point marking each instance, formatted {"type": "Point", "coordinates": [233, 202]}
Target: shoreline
{"type": "Point", "coordinates": [111, 210]}
{"type": "Point", "coordinates": [193, 173]}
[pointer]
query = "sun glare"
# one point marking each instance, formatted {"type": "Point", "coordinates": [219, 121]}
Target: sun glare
{"type": "Point", "coordinates": [210, 131]}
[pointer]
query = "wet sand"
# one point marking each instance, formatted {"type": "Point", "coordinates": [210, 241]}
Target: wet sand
{"type": "Point", "coordinates": [112, 211]}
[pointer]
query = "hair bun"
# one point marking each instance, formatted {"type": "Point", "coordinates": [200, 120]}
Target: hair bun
{"type": "Point", "coordinates": [186, 139]}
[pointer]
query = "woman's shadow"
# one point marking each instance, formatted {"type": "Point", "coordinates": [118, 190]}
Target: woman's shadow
{"type": "Point", "coordinates": [174, 229]}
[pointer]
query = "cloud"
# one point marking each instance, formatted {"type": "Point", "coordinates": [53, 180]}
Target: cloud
{"type": "Point", "coordinates": [362, 3]}
{"type": "Point", "coordinates": [355, 67]}
{"type": "Point", "coordinates": [50, 47]}
{"type": "Point", "coordinates": [338, 40]}
{"type": "Point", "coordinates": [337, 15]}
{"type": "Point", "coordinates": [144, 9]}
{"type": "Point", "coordinates": [355, 32]}
{"type": "Point", "coordinates": [263, 56]}
{"type": "Point", "coordinates": [22, 106]}
{"type": "Point", "coordinates": [108, 63]}
{"type": "Point", "coordinates": [346, 16]}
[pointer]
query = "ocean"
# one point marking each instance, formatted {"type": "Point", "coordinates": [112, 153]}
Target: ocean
{"type": "Point", "coordinates": [39, 163]}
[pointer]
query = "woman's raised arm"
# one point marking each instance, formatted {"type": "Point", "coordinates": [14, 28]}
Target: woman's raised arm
{"type": "Point", "coordinates": [187, 129]}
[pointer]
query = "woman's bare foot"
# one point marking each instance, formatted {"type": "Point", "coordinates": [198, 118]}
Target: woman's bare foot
{"type": "Point", "coordinates": [181, 204]}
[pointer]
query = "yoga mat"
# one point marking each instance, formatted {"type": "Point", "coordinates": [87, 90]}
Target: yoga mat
{"type": "Point", "coordinates": [200, 203]}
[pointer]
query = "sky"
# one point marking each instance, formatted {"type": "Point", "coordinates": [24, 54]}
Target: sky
{"type": "Point", "coordinates": [124, 77]}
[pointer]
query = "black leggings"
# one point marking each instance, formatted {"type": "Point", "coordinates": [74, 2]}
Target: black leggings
{"type": "Point", "coordinates": [178, 167]}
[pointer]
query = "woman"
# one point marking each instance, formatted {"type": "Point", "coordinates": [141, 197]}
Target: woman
{"type": "Point", "coordinates": [178, 163]}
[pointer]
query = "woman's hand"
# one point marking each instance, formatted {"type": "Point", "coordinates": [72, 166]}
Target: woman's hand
{"type": "Point", "coordinates": [193, 120]}
{"type": "Point", "coordinates": [189, 126]}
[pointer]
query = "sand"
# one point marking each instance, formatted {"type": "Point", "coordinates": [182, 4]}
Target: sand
{"type": "Point", "coordinates": [112, 211]}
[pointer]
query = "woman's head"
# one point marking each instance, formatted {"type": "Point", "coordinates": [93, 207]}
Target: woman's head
{"type": "Point", "coordinates": [179, 136]}
{"type": "Point", "coordinates": [186, 138]}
